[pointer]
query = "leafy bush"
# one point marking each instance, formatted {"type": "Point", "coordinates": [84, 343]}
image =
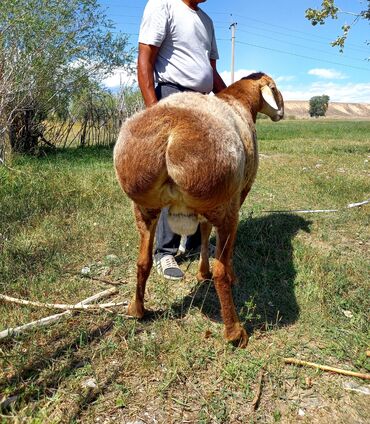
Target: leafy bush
{"type": "Point", "coordinates": [319, 105]}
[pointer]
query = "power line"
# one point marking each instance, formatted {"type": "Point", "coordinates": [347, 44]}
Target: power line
{"type": "Point", "coordinates": [269, 24]}
{"type": "Point", "coordinates": [355, 46]}
{"type": "Point", "coordinates": [299, 55]}
{"type": "Point", "coordinates": [362, 50]}
{"type": "Point", "coordinates": [300, 45]}
{"type": "Point", "coordinates": [272, 49]}
{"type": "Point", "coordinates": [266, 36]}
{"type": "Point", "coordinates": [278, 51]}
{"type": "Point", "coordinates": [212, 13]}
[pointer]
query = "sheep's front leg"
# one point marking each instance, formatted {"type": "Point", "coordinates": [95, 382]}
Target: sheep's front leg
{"type": "Point", "coordinates": [204, 272]}
{"type": "Point", "coordinates": [146, 223]}
{"type": "Point", "coordinates": [224, 277]}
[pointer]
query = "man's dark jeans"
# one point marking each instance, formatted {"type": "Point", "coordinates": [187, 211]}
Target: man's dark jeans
{"type": "Point", "coordinates": [167, 242]}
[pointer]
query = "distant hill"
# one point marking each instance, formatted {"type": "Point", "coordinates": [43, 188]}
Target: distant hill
{"type": "Point", "coordinates": [299, 109]}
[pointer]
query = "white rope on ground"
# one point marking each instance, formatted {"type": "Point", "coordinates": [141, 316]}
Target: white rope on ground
{"type": "Point", "coordinates": [349, 206]}
{"type": "Point", "coordinates": [57, 317]}
{"type": "Point", "coordinates": [77, 307]}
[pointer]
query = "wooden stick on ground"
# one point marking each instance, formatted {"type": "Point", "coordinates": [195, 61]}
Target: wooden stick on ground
{"type": "Point", "coordinates": [54, 318]}
{"type": "Point", "coordinates": [66, 307]}
{"type": "Point", "coordinates": [326, 368]}
{"type": "Point", "coordinates": [257, 397]}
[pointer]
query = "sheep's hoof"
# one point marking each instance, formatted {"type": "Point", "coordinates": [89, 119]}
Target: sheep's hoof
{"type": "Point", "coordinates": [136, 310]}
{"type": "Point", "coordinates": [237, 336]}
{"type": "Point", "coordinates": [201, 276]}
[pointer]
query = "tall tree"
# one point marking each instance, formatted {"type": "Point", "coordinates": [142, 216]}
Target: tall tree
{"type": "Point", "coordinates": [49, 49]}
{"type": "Point", "coordinates": [329, 9]}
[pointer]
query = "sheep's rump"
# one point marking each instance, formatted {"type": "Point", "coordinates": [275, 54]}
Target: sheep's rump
{"type": "Point", "coordinates": [186, 152]}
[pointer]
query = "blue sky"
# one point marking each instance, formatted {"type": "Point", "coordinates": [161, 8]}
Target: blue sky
{"type": "Point", "coordinates": [276, 38]}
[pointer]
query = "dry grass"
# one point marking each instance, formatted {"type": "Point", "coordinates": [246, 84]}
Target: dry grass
{"type": "Point", "coordinates": [297, 275]}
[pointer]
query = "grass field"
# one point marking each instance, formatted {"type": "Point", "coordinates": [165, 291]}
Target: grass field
{"type": "Point", "coordinates": [303, 291]}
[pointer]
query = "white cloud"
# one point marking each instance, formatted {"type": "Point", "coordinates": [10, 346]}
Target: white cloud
{"type": "Point", "coordinates": [120, 76]}
{"type": "Point", "coordinates": [239, 74]}
{"type": "Point", "coordinates": [327, 73]}
{"type": "Point", "coordinates": [346, 93]}
{"type": "Point", "coordinates": [284, 78]}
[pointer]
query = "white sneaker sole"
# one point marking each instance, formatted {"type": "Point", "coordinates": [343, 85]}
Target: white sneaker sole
{"type": "Point", "coordinates": [167, 277]}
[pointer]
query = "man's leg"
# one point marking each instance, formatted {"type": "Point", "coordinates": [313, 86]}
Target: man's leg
{"type": "Point", "coordinates": [194, 241]}
{"type": "Point", "coordinates": [167, 242]}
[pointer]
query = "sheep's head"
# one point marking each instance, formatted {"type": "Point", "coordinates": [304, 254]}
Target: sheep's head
{"type": "Point", "coordinates": [271, 100]}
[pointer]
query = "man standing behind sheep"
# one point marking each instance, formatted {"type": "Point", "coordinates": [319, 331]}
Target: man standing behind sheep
{"type": "Point", "coordinates": [177, 52]}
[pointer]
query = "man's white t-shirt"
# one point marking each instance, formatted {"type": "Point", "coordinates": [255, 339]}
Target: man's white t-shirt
{"type": "Point", "coordinates": [187, 42]}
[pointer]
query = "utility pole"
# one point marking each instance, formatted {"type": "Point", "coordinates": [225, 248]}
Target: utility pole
{"type": "Point", "coordinates": [232, 27]}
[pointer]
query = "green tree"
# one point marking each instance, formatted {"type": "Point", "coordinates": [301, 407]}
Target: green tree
{"type": "Point", "coordinates": [49, 50]}
{"type": "Point", "coordinates": [319, 105]}
{"type": "Point", "coordinates": [130, 101]}
{"type": "Point", "coordinates": [329, 9]}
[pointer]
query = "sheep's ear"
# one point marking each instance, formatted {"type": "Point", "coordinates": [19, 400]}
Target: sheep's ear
{"type": "Point", "coordinates": [269, 97]}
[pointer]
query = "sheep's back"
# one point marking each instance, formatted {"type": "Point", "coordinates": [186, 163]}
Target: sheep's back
{"type": "Point", "coordinates": [187, 148]}
{"type": "Point", "coordinates": [205, 155]}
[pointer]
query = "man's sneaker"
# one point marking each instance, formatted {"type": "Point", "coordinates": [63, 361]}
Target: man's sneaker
{"type": "Point", "coordinates": [168, 268]}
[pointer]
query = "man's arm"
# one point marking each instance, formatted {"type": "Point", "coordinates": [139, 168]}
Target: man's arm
{"type": "Point", "coordinates": [145, 72]}
{"type": "Point", "coordinates": [218, 83]}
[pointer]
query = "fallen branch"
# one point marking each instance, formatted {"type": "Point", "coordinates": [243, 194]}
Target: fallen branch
{"type": "Point", "coordinates": [326, 368]}
{"type": "Point", "coordinates": [54, 318]}
{"type": "Point", "coordinates": [65, 307]}
{"type": "Point", "coordinates": [257, 397]}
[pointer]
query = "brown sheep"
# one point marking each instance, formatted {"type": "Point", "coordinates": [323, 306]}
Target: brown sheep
{"type": "Point", "coordinates": [197, 155]}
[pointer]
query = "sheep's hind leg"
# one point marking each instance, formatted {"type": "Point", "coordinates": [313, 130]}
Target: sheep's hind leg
{"type": "Point", "coordinates": [146, 221]}
{"type": "Point", "coordinates": [224, 277]}
{"type": "Point", "coordinates": [204, 272]}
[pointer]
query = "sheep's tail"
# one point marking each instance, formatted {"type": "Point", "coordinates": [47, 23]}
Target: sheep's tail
{"type": "Point", "coordinates": [182, 220]}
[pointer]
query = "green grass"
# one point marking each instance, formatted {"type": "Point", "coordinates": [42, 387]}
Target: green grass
{"type": "Point", "coordinates": [298, 278]}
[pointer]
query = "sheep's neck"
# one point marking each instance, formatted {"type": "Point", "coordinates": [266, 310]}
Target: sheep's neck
{"type": "Point", "coordinates": [246, 94]}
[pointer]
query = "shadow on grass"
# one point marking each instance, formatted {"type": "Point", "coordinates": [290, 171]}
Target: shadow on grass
{"type": "Point", "coordinates": [263, 261]}
{"type": "Point", "coordinates": [39, 377]}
